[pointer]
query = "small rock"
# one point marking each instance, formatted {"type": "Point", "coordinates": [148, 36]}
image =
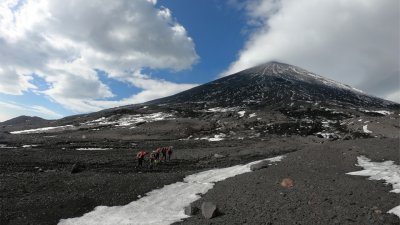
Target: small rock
{"type": "Point", "coordinates": [259, 166]}
{"type": "Point", "coordinates": [216, 155]}
{"type": "Point", "coordinates": [191, 210]}
{"type": "Point", "coordinates": [77, 168]}
{"type": "Point", "coordinates": [209, 210]}
{"type": "Point", "coordinates": [287, 183]}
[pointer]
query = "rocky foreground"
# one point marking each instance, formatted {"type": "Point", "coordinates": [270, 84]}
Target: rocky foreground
{"type": "Point", "coordinates": [37, 186]}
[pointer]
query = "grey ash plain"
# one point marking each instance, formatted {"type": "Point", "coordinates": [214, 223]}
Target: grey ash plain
{"type": "Point", "coordinates": [269, 110]}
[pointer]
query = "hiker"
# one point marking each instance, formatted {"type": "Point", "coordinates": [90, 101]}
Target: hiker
{"type": "Point", "coordinates": [158, 152]}
{"type": "Point", "coordinates": [140, 157]}
{"type": "Point", "coordinates": [164, 153]}
{"type": "Point", "coordinates": [153, 160]}
{"type": "Point", "coordinates": [169, 152]}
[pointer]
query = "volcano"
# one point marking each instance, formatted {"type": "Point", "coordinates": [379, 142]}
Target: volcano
{"type": "Point", "coordinates": [278, 84]}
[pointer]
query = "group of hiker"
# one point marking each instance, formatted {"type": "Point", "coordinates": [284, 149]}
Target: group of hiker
{"type": "Point", "coordinates": [161, 154]}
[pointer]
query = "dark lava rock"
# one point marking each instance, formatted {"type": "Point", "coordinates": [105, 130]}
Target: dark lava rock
{"type": "Point", "coordinates": [191, 210]}
{"type": "Point", "coordinates": [209, 210]}
{"type": "Point", "coordinates": [259, 166]}
{"type": "Point", "coordinates": [77, 168]}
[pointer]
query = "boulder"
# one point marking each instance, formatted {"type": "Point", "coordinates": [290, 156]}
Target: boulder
{"type": "Point", "coordinates": [209, 210]}
{"type": "Point", "coordinates": [77, 168]}
{"type": "Point", "coordinates": [259, 166]}
{"type": "Point", "coordinates": [191, 210]}
{"type": "Point", "coordinates": [287, 183]}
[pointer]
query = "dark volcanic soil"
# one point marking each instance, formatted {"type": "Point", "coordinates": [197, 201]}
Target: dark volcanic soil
{"type": "Point", "coordinates": [323, 193]}
{"type": "Point", "coordinates": [38, 188]}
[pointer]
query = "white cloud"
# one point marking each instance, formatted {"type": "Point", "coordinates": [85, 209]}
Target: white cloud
{"type": "Point", "coordinates": [13, 83]}
{"type": "Point", "coordinates": [152, 89]}
{"type": "Point", "coordinates": [63, 42]}
{"type": "Point", "coordinates": [354, 42]}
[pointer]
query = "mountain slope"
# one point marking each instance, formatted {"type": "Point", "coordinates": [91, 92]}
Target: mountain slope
{"type": "Point", "coordinates": [24, 120]}
{"type": "Point", "coordinates": [275, 84]}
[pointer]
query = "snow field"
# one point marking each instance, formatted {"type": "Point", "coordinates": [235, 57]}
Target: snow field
{"type": "Point", "coordinates": [124, 121]}
{"type": "Point", "coordinates": [165, 205]}
{"type": "Point", "coordinates": [387, 171]}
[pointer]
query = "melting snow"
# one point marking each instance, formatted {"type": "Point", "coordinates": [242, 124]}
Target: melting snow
{"type": "Point", "coordinates": [382, 112]}
{"type": "Point", "coordinates": [5, 146]}
{"type": "Point", "coordinates": [92, 149]}
{"type": "Point", "coordinates": [217, 137]}
{"type": "Point", "coordinates": [220, 109]}
{"type": "Point", "coordinates": [365, 129]}
{"type": "Point", "coordinates": [29, 146]}
{"type": "Point", "coordinates": [241, 113]}
{"type": "Point", "coordinates": [44, 130]}
{"type": "Point", "coordinates": [327, 135]}
{"type": "Point", "coordinates": [252, 115]}
{"type": "Point", "coordinates": [165, 205]}
{"type": "Point", "coordinates": [129, 120]}
{"type": "Point", "coordinates": [387, 171]}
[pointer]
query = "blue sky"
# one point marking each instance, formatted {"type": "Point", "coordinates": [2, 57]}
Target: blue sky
{"type": "Point", "coordinates": [60, 58]}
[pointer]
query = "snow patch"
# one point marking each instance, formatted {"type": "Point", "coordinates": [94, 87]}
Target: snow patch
{"type": "Point", "coordinates": [220, 109]}
{"type": "Point", "coordinates": [395, 211]}
{"type": "Point", "coordinates": [252, 115]}
{"type": "Point", "coordinates": [365, 129]}
{"type": "Point", "coordinates": [241, 113]}
{"type": "Point", "coordinates": [387, 171]}
{"type": "Point", "coordinates": [326, 135]}
{"type": "Point", "coordinates": [217, 137]}
{"type": "Point", "coordinates": [6, 146]}
{"type": "Point", "coordinates": [130, 120]}
{"type": "Point", "coordinates": [29, 146]}
{"type": "Point", "coordinates": [382, 112]}
{"type": "Point", "coordinates": [45, 130]}
{"type": "Point", "coordinates": [165, 205]}
{"type": "Point", "coordinates": [92, 149]}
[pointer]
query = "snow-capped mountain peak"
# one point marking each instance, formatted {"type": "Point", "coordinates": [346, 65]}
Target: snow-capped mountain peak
{"type": "Point", "coordinates": [276, 84]}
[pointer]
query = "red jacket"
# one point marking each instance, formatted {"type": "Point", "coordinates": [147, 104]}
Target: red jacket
{"type": "Point", "coordinates": [141, 154]}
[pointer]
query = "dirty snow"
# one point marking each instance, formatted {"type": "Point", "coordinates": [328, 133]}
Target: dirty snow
{"type": "Point", "coordinates": [164, 205]}
{"type": "Point", "coordinates": [382, 112]}
{"type": "Point", "coordinates": [5, 146]}
{"type": "Point", "coordinates": [29, 146]}
{"type": "Point", "coordinates": [241, 113]}
{"type": "Point", "coordinates": [217, 137]}
{"type": "Point", "coordinates": [327, 135]}
{"type": "Point", "coordinates": [387, 171]}
{"type": "Point", "coordinates": [252, 115]}
{"type": "Point", "coordinates": [92, 149]}
{"type": "Point", "coordinates": [365, 129]}
{"type": "Point", "coordinates": [45, 130]}
{"type": "Point", "coordinates": [220, 109]}
{"type": "Point", "coordinates": [129, 120]}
